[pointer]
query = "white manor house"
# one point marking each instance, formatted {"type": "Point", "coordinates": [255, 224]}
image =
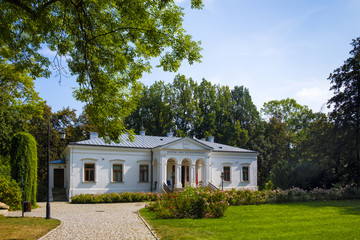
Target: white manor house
{"type": "Point", "coordinates": [145, 164]}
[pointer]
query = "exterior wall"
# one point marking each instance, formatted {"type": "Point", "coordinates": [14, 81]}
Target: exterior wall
{"type": "Point", "coordinates": [203, 162]}
{"type": "Point", "coordinates": [104, 158]}
{"type": "Point", "coordinates": [235, 161]}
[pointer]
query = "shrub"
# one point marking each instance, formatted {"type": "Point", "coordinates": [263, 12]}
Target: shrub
{"type": "Point", "coordinates": [115, 197]}
{"type": "Point", "coordinates": [10, 193]}
{"type": "Point", "coordinates": [192, 203]}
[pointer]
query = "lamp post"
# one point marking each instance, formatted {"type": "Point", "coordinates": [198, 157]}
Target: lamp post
{"type": "Point", "coordinates": [222, 181]}
{"type": "Point", "coordinates": [62, 136]}
{"type": "Point", "coordinates": [173, 179]}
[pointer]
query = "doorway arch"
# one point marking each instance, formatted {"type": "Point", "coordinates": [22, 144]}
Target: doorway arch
{"type": "Point", "coordinates": [200, 172]}
{"type": "Point", "coordinates": [185, 172]}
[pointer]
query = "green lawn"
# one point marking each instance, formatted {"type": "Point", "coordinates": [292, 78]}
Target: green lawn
{"type": "Point", "coordinates": [25, 228]}
{"type": "Point", "coordinates": [308, 220]}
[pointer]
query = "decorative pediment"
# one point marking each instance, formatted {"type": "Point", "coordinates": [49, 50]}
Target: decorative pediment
{"type": "Point", "coordinates": [186, 144]}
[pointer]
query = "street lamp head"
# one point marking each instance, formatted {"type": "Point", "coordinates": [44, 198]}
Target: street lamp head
{"type": "Point", "coordinates": [62, 135]}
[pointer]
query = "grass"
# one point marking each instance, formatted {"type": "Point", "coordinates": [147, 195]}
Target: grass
{"type": "Point", "coordinates": [25, 228]}
{"type": "Point", "coordinates": [306, 220]}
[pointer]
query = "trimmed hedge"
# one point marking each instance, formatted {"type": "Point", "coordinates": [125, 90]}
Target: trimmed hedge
{"type": "Point", "coordinates": [115, 197]}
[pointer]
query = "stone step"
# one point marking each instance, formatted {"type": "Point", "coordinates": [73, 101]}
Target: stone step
{"type": "Point", "coordinates": [179, 190]}
{"type": "Point", "coordinates": [59, 194]}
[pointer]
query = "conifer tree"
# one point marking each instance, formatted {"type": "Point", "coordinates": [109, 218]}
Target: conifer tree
{"type": "Point", "coordinates": [23, 161]}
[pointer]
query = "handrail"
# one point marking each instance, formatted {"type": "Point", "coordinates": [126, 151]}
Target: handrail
{"type": "Point", "coordinates": [212, 187]}
{"type": "Point", "coordinates": [166, 188]}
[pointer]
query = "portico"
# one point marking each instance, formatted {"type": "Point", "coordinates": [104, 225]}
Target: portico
{"type": "Point", "coordinates": [185, 163]}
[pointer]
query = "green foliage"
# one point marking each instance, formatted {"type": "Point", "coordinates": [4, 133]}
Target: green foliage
{"type": "Point", "coordinates": [24, 165]}
{"type": "Point", "coordinates": [269, 185]}
{"type": "Point", "coordinates": [19, 103]}
{"type": "Point", "coordinates": [200, 110]}
{"type": "Point", "coordinates": [10, 193]}
{"type": "Point", "coordinates": [192, 203]}
{"type": "Point", "coordinates": [5, 169]}
{"type": "Point", "coordinates": [345, 82]}
{"type": "Point", "coordinates": [108, 45]}
{"type": "Point", "coordinates": [115, 197]}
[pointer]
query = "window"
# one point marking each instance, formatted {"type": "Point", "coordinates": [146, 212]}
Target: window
{"type": "Point", "coordinates": [144, 173]}
{"type": "Point", "coordinates": [117, 173]}
{"type": "Point", "coordinates": [245, 174]}
{"type": "Point", "coordinates": [227, 174]}
{"type": "Point", "coordinates": [89, 172]}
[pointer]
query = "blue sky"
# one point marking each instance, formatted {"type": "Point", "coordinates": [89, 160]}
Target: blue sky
{"type": "Point", "coordinates": [277, 49]}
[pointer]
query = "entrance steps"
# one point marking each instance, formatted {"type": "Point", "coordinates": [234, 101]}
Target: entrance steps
{"type": "Point", "coordinates": [179, 190]}
{"type": "Point", "coordinates": [59, 194]}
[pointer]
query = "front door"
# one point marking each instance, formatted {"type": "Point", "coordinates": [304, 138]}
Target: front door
{"type": "Point", "coordinates": [59, 178]}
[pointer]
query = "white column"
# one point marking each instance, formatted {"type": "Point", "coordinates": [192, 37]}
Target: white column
{"type": "Point", "coordinates": [193, 175]}
{"type": "Point", "coordinates": [206, 171]}
{"type": "Point", "coordinates": [161, 172]}
{"type": "Point", "coordinates": [178, 175]}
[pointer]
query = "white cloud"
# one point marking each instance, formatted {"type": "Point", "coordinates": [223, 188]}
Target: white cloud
{"type": "Point", "coordinates": [312, 93]}
{"type": "Point", "coordinates": [314, 97]}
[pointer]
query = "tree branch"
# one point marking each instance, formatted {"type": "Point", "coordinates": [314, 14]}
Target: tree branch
{"type": "Point", "coordinates": [22, 6]}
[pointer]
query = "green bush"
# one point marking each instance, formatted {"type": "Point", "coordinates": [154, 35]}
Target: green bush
{"type": "Point", "coordinates": [115, 197]}
{"type": "Point", "coordinates": [10, 193]}
{"type": "Point", "coordinates": [192, 203]}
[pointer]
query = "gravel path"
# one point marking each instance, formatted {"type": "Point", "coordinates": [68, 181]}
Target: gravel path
{"type": "Point", "coordinates": [94, 221]}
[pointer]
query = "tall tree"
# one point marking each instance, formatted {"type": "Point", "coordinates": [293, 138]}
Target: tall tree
{"type": "Point", "coordinates": [206, 95]}
{"type": "Point", "coordinates": [107, 44]}
{"type": "Point", "coordinates": [154, 111]}
{"type": "Point", "coordinates": [184, 104]}
{"type": "Point", "coordinates": [24, 165]}
{"type": "Point", "coordinates": [224, 105]}
{"type": "Point", "coordinates": [247, 115]}
{"type": "Point", "coordinates": [19, 103]}
{"type": "Point", "coordinates": [345, 82]}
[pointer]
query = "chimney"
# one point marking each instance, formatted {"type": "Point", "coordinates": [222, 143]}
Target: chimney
{"type": "Point", "coordinates": [211, 139]}
{"type": "Point", "coordinates": [93, 135]}
{"type": "Point", "coordinates": [142, 133]}
{"type": "Point", "coordinates": [169, 134]}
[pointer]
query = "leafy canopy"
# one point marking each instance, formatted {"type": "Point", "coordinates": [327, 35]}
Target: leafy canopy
{"type": "Point", "coordinates": [107, 44]}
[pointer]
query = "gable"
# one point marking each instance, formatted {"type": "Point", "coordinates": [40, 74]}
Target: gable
{"type": "Point", "coordinates": [185, 144]}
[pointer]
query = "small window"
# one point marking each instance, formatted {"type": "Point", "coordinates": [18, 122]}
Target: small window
{"type": "Point", "coordinates": [117, 173]}
{"type": "Point", "coordinates": [245, 174]}
{"type": "Point", "coordinates": [144, 173]}
{"type": "Point", "coordinates": [227, 174]}
{"type": "Point", "coordinates": [89, 172]}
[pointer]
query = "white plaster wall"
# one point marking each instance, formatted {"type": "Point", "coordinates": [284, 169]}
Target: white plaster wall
{"type": "Point", "coordinates": [235, 161]}
{"type": "Point", "coordinates": [104, 158]}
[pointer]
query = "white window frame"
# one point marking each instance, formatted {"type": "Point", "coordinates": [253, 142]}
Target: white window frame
{"type": "Point", "coordinates": [242, 173]}
{"type": "Point", "coordinates": [88, 161]}
{"type": "Point", "coordinates": [117, 162]}
{"type": "Point", "coordinates": [144, 162]}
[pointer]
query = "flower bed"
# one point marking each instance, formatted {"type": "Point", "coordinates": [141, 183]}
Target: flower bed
{"type": "Point", "coordinates": [192, 203]}
{"type": "Point", "coordinates": [201, 202]}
